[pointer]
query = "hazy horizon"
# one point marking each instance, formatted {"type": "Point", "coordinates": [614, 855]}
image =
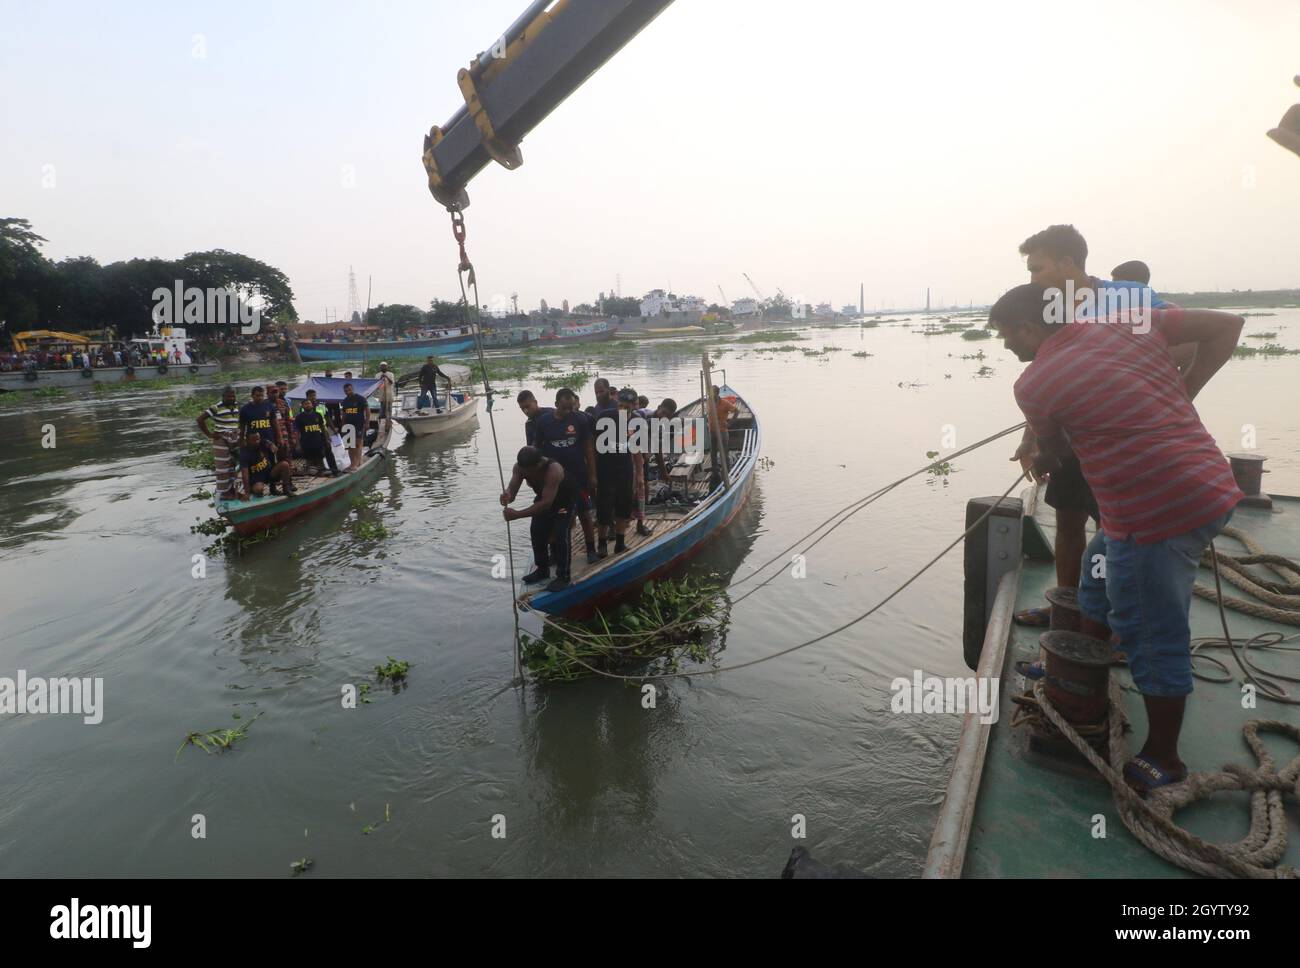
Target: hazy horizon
{"type": "Point", "coordinates": [899, 148]}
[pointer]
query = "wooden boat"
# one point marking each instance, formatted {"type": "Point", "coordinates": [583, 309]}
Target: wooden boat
{"type": "Point", "coordinates": [423, 421]}
{"type": "Point", "coordinates": [452, 341]}
{"type": "Point", "coordinates": [660, 332]}
{"type": "Point", "coordinates": [40, 379]}
{"type": "Point", "coordinates": [677, 531]}
{"type": "Point", "coordinates": [259, 514]}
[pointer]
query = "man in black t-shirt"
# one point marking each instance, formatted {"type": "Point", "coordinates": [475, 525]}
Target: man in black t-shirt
{"type": "Point", "coordinates": [429, 374]}
{"type": "Point", "coordinates": [551, 511]}
{"type": "Point", "coordinates": [313, 437]}
{"type": "Point", "coordinates": [533, 411]}
{"type": "Point", "coordinates": [565, 435]}
{"type": "Point", "coordinates": [261, 469]}
{"type": "Point", "coordinates": [356, 419]}
{"type": "Point", "coordinates": [259, 416]}
{"type": "Point", "coordinates": [616, 468]}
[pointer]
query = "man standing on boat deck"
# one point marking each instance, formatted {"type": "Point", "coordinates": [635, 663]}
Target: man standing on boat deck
{"type": "Point", "coordinates": [1163, 487]}
{"type": "Point", "coordinates": [313, 434]}
{"type": "Point", "coordinates": [533, 411]}
{"type": "Point", "coordinates": [551, 511]}
{"type": "Point", "coordinates": [603, 397]}
{"type": "Point", "coordinates": [564, 435]}
{"type": "Point", "coordinates": [1057, 258]}
{"type": "Point", "coordinates": [429, 374]}
{"type": "Point", "coordinates": [355, 411]}
{"type": "Point", "coordinates": [387, 392]}
{"type": "Point", "coordinates": [616, 467]}
{"type": "Point", "coordinates": [258, 415]}
{"type": "Point", "coordinates": [225, 439]}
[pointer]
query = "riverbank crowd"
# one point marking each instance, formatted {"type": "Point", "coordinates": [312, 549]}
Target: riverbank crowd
{"type": "Point", "coordinates": [108, 355]}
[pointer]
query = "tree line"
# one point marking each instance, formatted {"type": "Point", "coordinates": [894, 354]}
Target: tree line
{"type": "Point", "coordinates": [79, 294]}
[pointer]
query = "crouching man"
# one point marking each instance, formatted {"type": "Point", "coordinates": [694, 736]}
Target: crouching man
{"type": "Point", "coordinates": [551, 511]}
{"type": "Point", "coordinates": [262, 469]}
{"type": "Point", "coordinates": [1110, 391]}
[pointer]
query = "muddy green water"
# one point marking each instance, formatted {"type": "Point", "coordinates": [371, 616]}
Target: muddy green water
{"type": "Point", "coordinates": [95, 563]}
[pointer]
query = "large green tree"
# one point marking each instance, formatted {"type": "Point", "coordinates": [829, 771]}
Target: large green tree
{"type": "Point", "coordinates": [79, 294]}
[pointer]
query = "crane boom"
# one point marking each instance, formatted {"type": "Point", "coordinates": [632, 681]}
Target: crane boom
{"type": "Point", "coordinates": [543, 57]}
{"type": "Point", "coordinates": [757, 291]}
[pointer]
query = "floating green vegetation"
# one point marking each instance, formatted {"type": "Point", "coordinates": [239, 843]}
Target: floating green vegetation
{"type": "Point", "coordinates": [16, 398]}
{"type": "Point", "coordinates": [671, 621]}
{"type": "Point", "coordinates": [769, 336]}
{"type": "Point", "coordinates": [808, 352]}
{"type": "Point", "coordinates": [216, 740]}
{"type": "Point", "coordinates": [574, 379]}
{"type": "Point", "coordinates": [977, 355]}
{"type": "Point", "coordinates": [1262, 336]}
{"type": "Point", "coordinates": [863, 355]}
{"type": "Point", "coordinates": [198, 455]}
{"type": "Point", "coordinates": [365, 502]}
{"type": "Point", "coordinates": [187, 406]}
{"type": "Point", "coordinates": [940, 468]}
{"type": "Point", "coordinates": [778, 349]}
{"type": "Point", "coordinates": [369, 530]}
{"type": "Point", "coordinates": [394, 671]}
{"type": "Point", "coordinates": [984, 372]}
{"type": "Point", "coordinates": [832, 349]}
{"type": "Point", "coordinates": [210, 527]}
{"type": "Point", "coordinates": [219, 526]}
{"type": "Point", "coordinates": [202, 494]}
{"type": "Point", "coordinates": [980, 333]}
{"type": "Point", "coordinates": [945, 328]}
{"type": "Point", "coordinates": [301, 866]}
{"type": "Point", "coordinates": [869, 323]}
{"type": "Point", "coordinates": [1268, 349]}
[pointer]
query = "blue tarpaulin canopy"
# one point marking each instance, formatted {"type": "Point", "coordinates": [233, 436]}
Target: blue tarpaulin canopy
{"type": "Point", "coordinates": [330, 390]}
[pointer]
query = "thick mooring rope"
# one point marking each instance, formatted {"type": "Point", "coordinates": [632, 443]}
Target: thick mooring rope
{"type": "Point", "coordinates": [1281, 598]}
{"type": "Point", "coordinates": [1151, 821]}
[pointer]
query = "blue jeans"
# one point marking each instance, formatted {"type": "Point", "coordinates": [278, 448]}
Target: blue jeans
{"type": "Point", "coordinates": [1144, 593]}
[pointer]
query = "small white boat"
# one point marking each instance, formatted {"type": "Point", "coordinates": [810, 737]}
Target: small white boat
{"type": "Point", "coordinates": [459, 410]}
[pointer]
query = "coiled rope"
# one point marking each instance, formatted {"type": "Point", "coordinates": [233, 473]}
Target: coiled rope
{"type": "Point", "coordinates": [1150, 820]}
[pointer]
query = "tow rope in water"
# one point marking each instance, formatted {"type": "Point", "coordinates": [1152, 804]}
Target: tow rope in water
{"type": "Point", "coordinates": [843, 515]}
{"type": "Point", "coordinates": [838, 518]}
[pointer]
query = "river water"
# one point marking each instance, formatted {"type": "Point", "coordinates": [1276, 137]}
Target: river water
{"type": "Point", "coordinates": [96, 563]}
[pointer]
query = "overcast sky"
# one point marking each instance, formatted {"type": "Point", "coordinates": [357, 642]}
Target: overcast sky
{"type": "Point", "coordinates": [814, 145]}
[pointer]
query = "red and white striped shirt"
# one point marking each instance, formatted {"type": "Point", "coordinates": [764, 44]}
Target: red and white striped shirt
{"type": "Point", "coordinates": [1117, 396]}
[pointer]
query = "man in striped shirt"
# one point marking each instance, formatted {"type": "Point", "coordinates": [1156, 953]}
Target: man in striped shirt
{"type": "Point", "coordinates": [225, 437]}
{"type": "Point", "coordinates": [1109, 390]}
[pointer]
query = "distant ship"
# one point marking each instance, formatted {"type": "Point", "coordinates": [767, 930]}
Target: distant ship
{"type": "Point", "coordinates": [549, 336]}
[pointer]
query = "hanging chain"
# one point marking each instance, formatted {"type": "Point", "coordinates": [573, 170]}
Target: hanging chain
{"type": "Point", "coordinates": [465, 275]}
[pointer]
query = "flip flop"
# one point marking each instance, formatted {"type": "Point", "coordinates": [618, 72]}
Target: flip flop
{"type": "Point", "coordinates": [1036, 618]}
{"type": "Point", "coordinates": [1144, 776]}
{"type": "Point", "coordinates": [1031, 670]}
